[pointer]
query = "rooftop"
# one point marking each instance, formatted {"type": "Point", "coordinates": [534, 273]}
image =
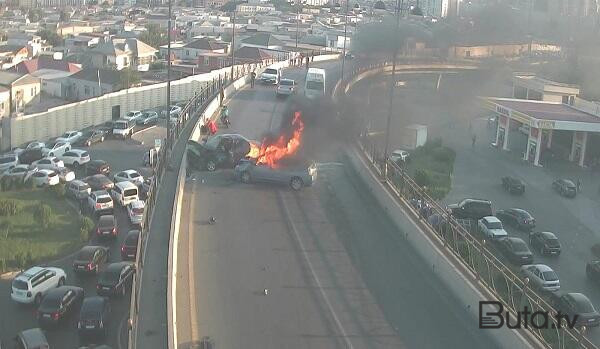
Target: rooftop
{"type": "Point", "coordinates": [263, 39]}
{"type": "Point", "coordinates": [546, 110]}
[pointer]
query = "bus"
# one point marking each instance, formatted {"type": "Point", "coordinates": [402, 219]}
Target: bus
{"type": "Point", "coordinates": [314, 86]}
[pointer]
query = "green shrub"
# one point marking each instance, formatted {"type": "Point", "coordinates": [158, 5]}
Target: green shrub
{"type": "Point", "coordinates": [9, 207]}
{"type": "Point", "coordinates": [444, 154]}
{"type": "Point", "coordinates": [84, 234]}
{"type": "Point", "coordinates": [432, 144]}
{"type": "Point", "coordinates": [437, 193]}
{"type": "Point", "coordinates": [422, 177]}
{"type": "Point", "coordinates": [86, 223]}
{"type": "Point", "coordinates": [43, 215]}
{"type": "Point", "coordinates": [28, 184]}
{"type": "Point", "coordinates": [6, 227]}
{"type": "Point", "coordinates": [59, 190]}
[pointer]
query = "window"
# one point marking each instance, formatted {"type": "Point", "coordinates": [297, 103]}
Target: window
{"type": "Point", "coordinates": [206, 60]}
{"type": "Point", "coordinates": [187, 52]}
{"type": "Point", "coordinates": [86, 90]}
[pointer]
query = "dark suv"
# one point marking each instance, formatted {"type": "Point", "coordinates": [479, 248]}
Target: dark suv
{"type": "Point", "coordinates": [565, 187]}
{"type": "Point", "coordinates": [471, 209]}
{"type": "Point", "coordinates": [513, 185]}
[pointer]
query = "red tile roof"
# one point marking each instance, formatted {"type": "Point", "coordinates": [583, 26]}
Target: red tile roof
{"type": "Point", "coordinates": [33, 65]}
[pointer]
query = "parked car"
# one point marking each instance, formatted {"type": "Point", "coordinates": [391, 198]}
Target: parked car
{"type": "Point", "coordinates": [90, 137]}
{"type": "Point", "coordinates": [565, 187]}
{"type": "Point", "coordinates": [491, 227]}
{"type": "Point", "coordinates": [592, 270]}
{"type": "Point", "coordinates": [56, 149]}
{"type": "Point", "coordinates": [107, 128]}
{"type": "Point", "coordinates": [94, 316]}
{"type": "Point", "coordinates": [471, 209]}
{"type": "Point", "coordinates": [48, 163]}
{"type": "Point", "coordinates": [65, 174]}
{"type": "Point", "coordinates": [572, 304]}
{"type": "Point", "coordinates": [248, 171]}
{"type": "Point", "coordinates": [515, 250]}
{"type": "Point", "coordinates": [70, 137]}
{"type": "Point", "coordinates": [107, 227]}
{"type": "Point", "coordinates": [545, 242]}
{"type": "Point", "coordinates": [22, 172]}
{"type": "Point", "coordinates": [148, 118]}
{"type": "Point", "coordinates": [45, 178]}
{"type": "Point", "coordinates": [99, 182]}
{"type": "Point", "coordinates": [100, 202]}
{"type": "Point", "coordinates": [135, 211]}
{"type": "Point", "coordinates": [33, 338]}
{"type": "Point", "coordinates": [75, 157]}
{"type": "Point", "coordinates": [541, 276]}
{"type": "Point", "coordinates": [124, 193]}
{"type": "Point", "coordinates": [78, 190]}
{"type": "Point", "coordinates": [399, 155]}
{"type": "Point", "coordinates": [115, 279]}
{"type": "Point", "coordinates": [58, 303]}
{"type": "Point", "coordinates": [286, 87]}
{"type": "Point", "coordinates": [28, 156]}
{"type": "Point", "coordinates": [8, 161]}
{"type": "Point", "coordinates": [517, 218]}
{"type": "Point", "coordinates": [91, 259]}
{"type": "Point", "coordinates": [220, 151]}
{"type": "Point", "coordinates": [35, 145]}
{"type": "Point", "coordinates": [32, 284]}
{"type": "Point", "coordinates": [513, 185]}
{"type": "Point", "coordinates": [132, 115]}
{"type": "Point", "coordinates": [128, 175]}
{"type": "Point", "coordinates": [174, 111]}
{"type": "Point", "coordinates": [129, 247]}
{"type": "Point", "coordinates": [123, 128]}
{"type": "Point", "coordinates": [97, 167]}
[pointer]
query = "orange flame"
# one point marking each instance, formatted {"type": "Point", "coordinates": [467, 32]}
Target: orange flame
{"type": "Point", "coordinates": [270, 154]}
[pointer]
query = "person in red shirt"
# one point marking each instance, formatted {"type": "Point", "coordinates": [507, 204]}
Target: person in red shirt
{"type": "Point", "coordinates": [212, 127]}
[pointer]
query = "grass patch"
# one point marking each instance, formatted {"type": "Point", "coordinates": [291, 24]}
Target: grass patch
{"type": "Point", "coordinates": [431, 166]}
{"type": "Point", "coordinates": [24, 241]}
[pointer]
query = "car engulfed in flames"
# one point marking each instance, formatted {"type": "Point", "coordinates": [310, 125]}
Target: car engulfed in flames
{"type": "Point", "coordinates": [271, 151]}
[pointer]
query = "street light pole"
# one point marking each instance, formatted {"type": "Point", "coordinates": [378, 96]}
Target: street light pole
{"type": "Point", "coordinates": [297, 21]}
{"type": "Point", "coordinates": [168, 108]}
{"type": "Point", "coordinates": [233, 45]}
{"type": "Point", "coordinates": [345, 38]}
{"type": "Point", "coordinates": [392, 86]}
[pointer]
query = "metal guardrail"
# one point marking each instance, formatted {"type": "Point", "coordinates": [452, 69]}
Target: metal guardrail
{"type": "Point", "coordinates": [468, 247]}
{"type": "Point", "coordinates": [194, 106]}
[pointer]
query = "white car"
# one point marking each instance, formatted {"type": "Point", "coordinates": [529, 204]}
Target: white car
{"type": "Point", "coordinates": [286, 87]}
{"type": "Point", "coordinates": [20, 171]}
{"type": "Point", "coordinates": [174, 112]}
{"type": "Point", "coordinates": [135, 210]}
{"type": "Point", "coordinates": [270, 76]}
{"type": "Point", "coordinates": [31, 285]}
{"type": "Point", "coordinates": [36, 145]}
{"type": "Point", "coordinates": [49, 163]}
{"type": "Point", "coordinates": [129, 175]}
{"type": "Point", "coordinates": [57, 149]}
{"type": "Point", "coordinates": [70, 137]}
{"type": "Point", "coordinates": [491, 227]}
{"type": "Point", "coordinates": [541, 276]}
{"type": "Point", "coordinates": [75, 157]}
{"type": "Point", "coordinates": [8, 161]}
{"type": "Point", "coordinates": [45, 177]}
{"type": "Point", "coordinates": [100, 201]}
{"type": "Point", "coordinates": [132, 115]}
{"type": "Point", "coordinates": [65, 174]}
{"type": "Point", "coordinates": [399, 155]}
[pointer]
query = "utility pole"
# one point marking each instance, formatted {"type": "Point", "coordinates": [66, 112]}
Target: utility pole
{"type": "Point", "coordinates": [345, 37]}
{"type": "Point", "coordinates": [297, 21]}
{"type": "Point", "coordinates": [233, 45]}
{"type": "Point", "coordinates": [168, 110]}
{"type": "Point", "coordinates": [392, 87]}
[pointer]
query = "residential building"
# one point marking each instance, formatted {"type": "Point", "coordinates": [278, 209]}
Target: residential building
{"type": "Point", "coordinates": [502, 50]}
{"type": "Point", "coordinates": [209, 3]}
{"type": "Point", "coordinates": [31, 41]}
{"type": "Point", "coordinates": [10, 55]}
{"type": "Point", "coordinates": [23, 89]}
{"type": "Point", "coordinates": [81, 43]}
{"type": "Point", "coordinates": [263, 40]}
{"type": "Point", "coordinates": [75, 29]}
{"type": "Point", "coordinates": [251, 9]}
{"type": "Point", "coordinates": [90, 83]}
{"type": "Point", "coordinates": [4, 102]}
{"type": "Point", "coordinates": [51, 73]}
{"type": "Point", "coordinates": [198, 47]}
{"type": "Point", "coordinates": [123, 53]}
{"type": "Point", "coordinates": [248, 54]}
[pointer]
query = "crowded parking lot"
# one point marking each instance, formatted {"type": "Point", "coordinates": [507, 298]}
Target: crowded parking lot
{"type": "Point", "coordinates": [89, 272]}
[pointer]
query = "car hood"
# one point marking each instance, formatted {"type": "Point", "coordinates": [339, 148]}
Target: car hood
{"type": "Point", "coordinates": [498, 232]}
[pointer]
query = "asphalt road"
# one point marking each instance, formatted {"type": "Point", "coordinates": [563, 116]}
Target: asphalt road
{"type": "Point", "coordinates": [14, 317]}
{"type": "Point", "coordinates": [335, 268]}
{"type": "Point", "coordinates": [477, 171]}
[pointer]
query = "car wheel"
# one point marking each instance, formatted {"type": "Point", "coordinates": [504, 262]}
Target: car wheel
{"type": "Point", "coordinates": [61, 282]}
{"type": "Point", "coordinates": [76, 164]}
{"type": "Point", "coordinates": [38, 299]}
{"type": "Point", "coordinates": [296, 183]}
{"type": "Point", "coordinates": [50, 154]}
{"type": "Point", "coordinates": [211, 165]}
{"type": "Point", "coordinates": [245, 177]}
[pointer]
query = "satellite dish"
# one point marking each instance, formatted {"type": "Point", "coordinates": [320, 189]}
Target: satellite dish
{"type": "Point", "coordinates": [58, 56]}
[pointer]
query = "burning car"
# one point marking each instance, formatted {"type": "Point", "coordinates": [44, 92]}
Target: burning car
{"type": "Point", "coordinates": [223, 151]}
{"type": "Point", "coordinates": [249, 171]}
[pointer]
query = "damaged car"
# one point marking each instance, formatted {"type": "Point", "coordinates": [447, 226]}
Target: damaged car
{"type": "Point", "coordinates": [220, 151]}
{"type": "Point", "coordinates": [249, 171]}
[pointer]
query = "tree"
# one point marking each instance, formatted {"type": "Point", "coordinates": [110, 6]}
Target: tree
{"type": "Point", "coordinates": [416, 11]}
{"type": "Point", "coordinates": [50, 36]}
{"type": "Point", "coordinates": [34, 15]}
{"type": "Point", "coordinates": [380, 37]}
{"type": "Point", "coordinates": [129, 77]}
{"type": "Point", "coordinates": [154, 36]}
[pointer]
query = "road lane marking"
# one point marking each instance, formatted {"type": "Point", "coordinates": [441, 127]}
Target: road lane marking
{"type": "Point", "coordinates": [312, 271]}
{"type": "Point", "coordinates": [191, 276]}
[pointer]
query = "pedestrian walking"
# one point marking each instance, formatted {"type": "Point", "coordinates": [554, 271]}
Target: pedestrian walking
{"type": "Point", "coordinates": [252, 78]}
{"type": "Point", "coordinates": [473, 139]}
{"type": "Point", "coordinates": [222, 96]}
{"type": "Point", "coordinates": [307, 60]}
{"type": "Point", "coordinates": [578, 185]}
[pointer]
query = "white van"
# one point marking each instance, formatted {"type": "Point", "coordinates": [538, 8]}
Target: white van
{"type": "Point", "coordinates": [124, 193]}
{"type": "Point", "coordinates": [314, 86]}
{"type": "Point", "coordinates": [123, 128]}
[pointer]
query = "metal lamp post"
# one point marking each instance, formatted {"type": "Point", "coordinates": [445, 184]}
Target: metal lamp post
{"type": "Point", "coordinates": [233, 44]}
{"type": "Point", "coordinates": [345, 38]}
{"type": "Point", "coordinates": [168, 109]}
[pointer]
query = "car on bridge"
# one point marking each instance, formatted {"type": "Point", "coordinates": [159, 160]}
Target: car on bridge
{"type": "Point", "coordinates": [248, 171]}
{"type": "Point", "coordinates": [220, 151]}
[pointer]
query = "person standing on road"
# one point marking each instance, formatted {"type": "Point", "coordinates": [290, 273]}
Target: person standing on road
{"type": "Point", "coordinates": [578, 185]}
{"type": "Point", "coordinates": [307, 60]}
{"type": "Point", "coordinates": [252, 78]}
{"type": "Point", "coordinates": [473, 139]}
